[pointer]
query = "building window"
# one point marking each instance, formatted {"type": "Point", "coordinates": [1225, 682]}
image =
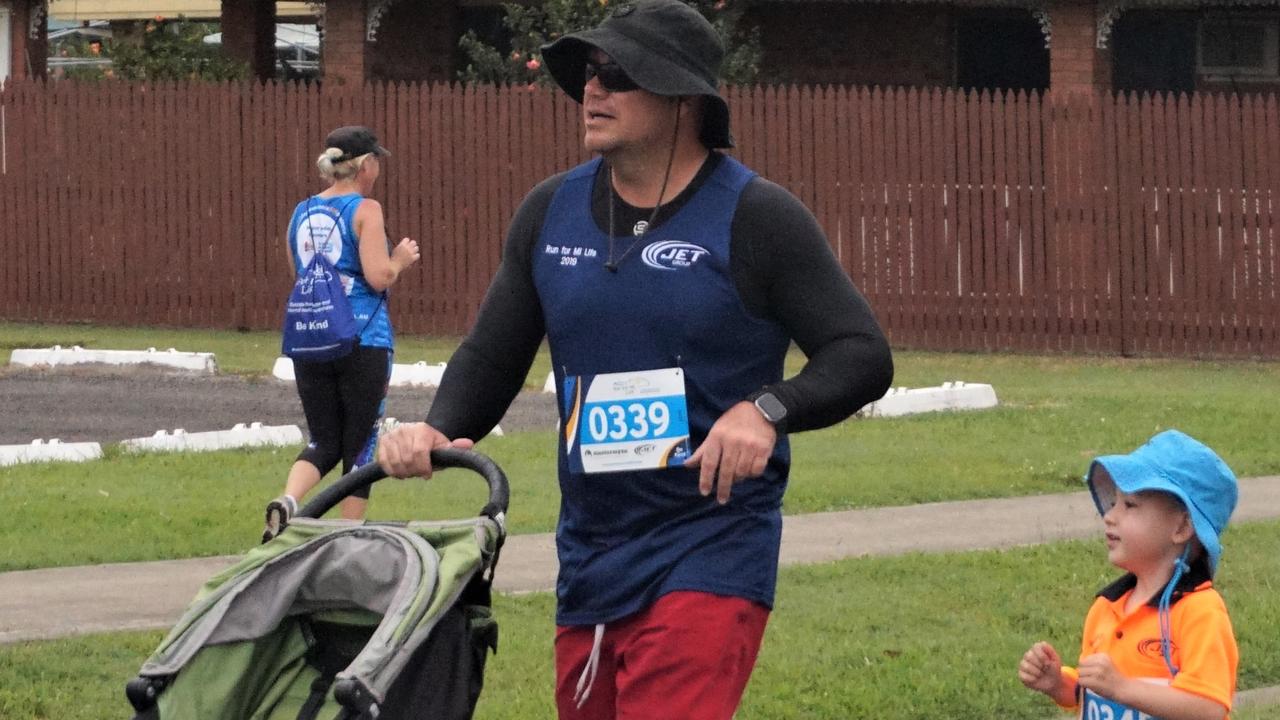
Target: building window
{"type": "Point", "coordinates": [1239, 48]}
{"type": "Point", "coordinates": [1000, 49]}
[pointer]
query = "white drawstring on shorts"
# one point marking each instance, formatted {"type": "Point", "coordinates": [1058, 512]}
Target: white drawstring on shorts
{"type": "Point", "coordinates": [588, 677]}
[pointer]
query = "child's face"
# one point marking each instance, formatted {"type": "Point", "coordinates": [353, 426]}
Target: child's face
{"type": "Point", "coordinates": [1145, 531]}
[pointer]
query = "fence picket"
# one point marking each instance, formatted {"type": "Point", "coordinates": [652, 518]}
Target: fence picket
{"type": "Point", "coordinates": [1269, 246]}
{"type": "Point", "coordinates": [971, 221]}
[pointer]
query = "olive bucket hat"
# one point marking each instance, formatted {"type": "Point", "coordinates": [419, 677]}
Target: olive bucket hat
{"type": "Point", "coordinates": [665, 46]}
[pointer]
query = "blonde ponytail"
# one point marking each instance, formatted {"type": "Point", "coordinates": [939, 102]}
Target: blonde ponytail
{"type": "Point", "coordinates": [328, 169]}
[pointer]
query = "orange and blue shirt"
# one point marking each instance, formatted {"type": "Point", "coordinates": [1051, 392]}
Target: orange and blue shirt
{"type": "Point", "coordinates": [1203, 645]}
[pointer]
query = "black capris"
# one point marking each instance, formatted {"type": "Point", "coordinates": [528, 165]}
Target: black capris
{"type": "Point", "coordinates": [343, 400]}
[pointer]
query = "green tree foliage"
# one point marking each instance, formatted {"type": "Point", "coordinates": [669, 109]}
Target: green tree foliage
{"type": "Point", "coordinates": [531, 26]}
{"type": "Point", "coordinates": [90, 58]}
{"type": "Point", "coordinates": [174, 50]}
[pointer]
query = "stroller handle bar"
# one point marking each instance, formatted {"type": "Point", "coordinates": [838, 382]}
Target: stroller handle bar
{"type": "Point", "coordinates": [366, 475]}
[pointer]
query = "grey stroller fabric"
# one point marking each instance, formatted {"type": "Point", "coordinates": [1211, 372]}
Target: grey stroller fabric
{"type": "Point", "coordinates": [327, 620]}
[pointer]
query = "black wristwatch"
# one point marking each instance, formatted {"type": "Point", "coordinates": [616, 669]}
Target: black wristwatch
{"type": "Point", "coordinates": [770, 407]}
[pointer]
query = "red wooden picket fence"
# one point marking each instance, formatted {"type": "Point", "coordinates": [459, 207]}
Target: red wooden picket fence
{"type": "Point", "coordinates": [1112, 225]}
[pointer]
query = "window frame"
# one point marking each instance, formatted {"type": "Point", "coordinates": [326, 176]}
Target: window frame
{"type": "Point", "coordinates": [1269, 70]}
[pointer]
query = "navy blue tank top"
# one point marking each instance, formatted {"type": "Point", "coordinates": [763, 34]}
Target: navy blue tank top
{"type": "Point", "coordinates": [626, 539]}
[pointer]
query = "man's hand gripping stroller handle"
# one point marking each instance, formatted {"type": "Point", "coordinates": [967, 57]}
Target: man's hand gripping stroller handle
{"type": "Point", "coordinates": [499, 491]}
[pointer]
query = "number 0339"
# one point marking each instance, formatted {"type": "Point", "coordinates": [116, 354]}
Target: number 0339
{"type": "Point", "coordinates": [633, 421]}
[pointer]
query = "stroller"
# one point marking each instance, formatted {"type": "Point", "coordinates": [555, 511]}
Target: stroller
{"type": "Point", "coordinates": [337, 620]}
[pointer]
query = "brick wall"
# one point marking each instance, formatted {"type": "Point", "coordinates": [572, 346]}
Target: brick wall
{"type": "Point", "coordinates": [415, 41]}
{"type": "Point", "coordinates": [865, 44]}
{"type": "Point", "coordinates": [28, 54]}
{"type": "Point", "coordinates": [343, 57]}
{"type": "Point", "coordinates": [803, 42]}
{"type": "Point", "coordinates": [1075, 63]}
{"type": "Point", "coordinates": [248, 34]}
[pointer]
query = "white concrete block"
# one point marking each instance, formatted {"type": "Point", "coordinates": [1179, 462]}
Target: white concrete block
{"type": "Point", "coordinates": [954, 395]}
{"type": "Point", "coordinates": [41, 451]}
{"type": "Point", "coordinates": [76, 355]}
{"type": "Point", "coordinates": [421, 374]}
{"type": "Point", "coordinates": [283, 369]}
{"type": "Point", "coordinates": [241, 435]}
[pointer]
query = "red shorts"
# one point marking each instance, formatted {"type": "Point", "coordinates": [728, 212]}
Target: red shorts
{"type": "Point", "coordinates": [688, 656]}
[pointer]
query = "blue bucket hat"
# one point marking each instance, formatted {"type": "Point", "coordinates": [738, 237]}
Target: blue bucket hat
{"type": "Point", "coordinates": [1178, 464]}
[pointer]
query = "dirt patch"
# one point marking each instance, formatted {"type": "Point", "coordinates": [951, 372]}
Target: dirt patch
{"type": "Point", "coordinates": [109, 404]}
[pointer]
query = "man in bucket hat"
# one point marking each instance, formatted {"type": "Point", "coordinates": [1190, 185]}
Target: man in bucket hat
{"type": "Point", "coordinates": [1157, 642]}
{"type": "Point", "coordinates": [669, 281]}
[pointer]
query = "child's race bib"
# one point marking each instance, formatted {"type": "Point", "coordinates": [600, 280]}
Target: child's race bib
{"type": "Point", "coordinates": [1096, 707]}
{"type": "Point", "coordinates": [619, 422]}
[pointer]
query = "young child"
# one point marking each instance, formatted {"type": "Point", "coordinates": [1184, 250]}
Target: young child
{"type": "Point", "coordinates": [1157, 642]}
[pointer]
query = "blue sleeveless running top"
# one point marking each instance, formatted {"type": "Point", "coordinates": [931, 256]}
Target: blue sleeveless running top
{"type": "Point", "coordinates": [329, 222]}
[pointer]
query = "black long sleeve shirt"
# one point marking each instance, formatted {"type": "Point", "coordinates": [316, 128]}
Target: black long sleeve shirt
{"type": "Point", "coordinates": [784, 271]}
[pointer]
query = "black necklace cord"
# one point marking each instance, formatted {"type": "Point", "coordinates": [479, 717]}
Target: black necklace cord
{"type": "Point", "coordinates": [612, 265]}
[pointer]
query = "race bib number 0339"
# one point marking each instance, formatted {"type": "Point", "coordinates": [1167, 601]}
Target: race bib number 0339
{"type": "Point", "coordinates": [626, 421]}
{"type": "Point", "coordinates": [1096, 707]}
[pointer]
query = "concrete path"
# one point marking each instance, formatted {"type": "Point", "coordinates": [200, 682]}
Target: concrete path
{"type": "Point", "coordinates": [58, 602]}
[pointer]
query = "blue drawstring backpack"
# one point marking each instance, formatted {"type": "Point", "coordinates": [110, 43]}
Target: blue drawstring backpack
{"type": "Point", "coordinates": [318, 322]}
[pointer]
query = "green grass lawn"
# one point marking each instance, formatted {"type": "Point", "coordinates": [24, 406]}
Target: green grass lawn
{"type": "Point", "coordinates": [1056, 414]}
{"type": "Point", "coordinates": [1256, 713]}
{"type": "Point", "coordinates": [155, 506]}
{"type": "Point", "coordinates": [922, 637]}
{"type": "Point", "coordinates": [144, 507]}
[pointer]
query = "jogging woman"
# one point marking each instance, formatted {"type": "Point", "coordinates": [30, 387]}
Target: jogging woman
{"type": "Point", "coordinates": [343, 399]}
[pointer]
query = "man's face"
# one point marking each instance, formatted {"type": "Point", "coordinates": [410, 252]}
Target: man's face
{"type": "Point", "coordinates": [622, 119]}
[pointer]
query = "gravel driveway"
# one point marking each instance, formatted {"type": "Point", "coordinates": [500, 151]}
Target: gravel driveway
{"type": "Point", "coordinates": [109, 404]}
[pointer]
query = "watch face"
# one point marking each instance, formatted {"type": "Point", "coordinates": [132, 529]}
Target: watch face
{"type": "Point", "coordinates": [772, 407]}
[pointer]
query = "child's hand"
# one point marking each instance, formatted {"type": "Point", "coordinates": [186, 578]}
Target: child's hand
{"type": "Point", "coordinates": [1100, 675]}
{"type": "Point", "coordinates": [1041, 669]}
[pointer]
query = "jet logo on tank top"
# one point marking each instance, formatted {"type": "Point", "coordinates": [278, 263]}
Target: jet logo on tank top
{"type": "Point", "coordinates": [673, 255]}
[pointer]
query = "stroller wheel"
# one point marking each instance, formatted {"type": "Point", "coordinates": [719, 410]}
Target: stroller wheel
{"type": "Point", "coordinates": [279, 512]}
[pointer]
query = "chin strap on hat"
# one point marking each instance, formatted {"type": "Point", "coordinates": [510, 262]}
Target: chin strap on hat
{"type": "Point", "coordinates": [1180, 567]}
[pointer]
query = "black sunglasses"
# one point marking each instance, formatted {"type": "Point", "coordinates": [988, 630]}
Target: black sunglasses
{"type": "Point", "coordinates": [612, 77]}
